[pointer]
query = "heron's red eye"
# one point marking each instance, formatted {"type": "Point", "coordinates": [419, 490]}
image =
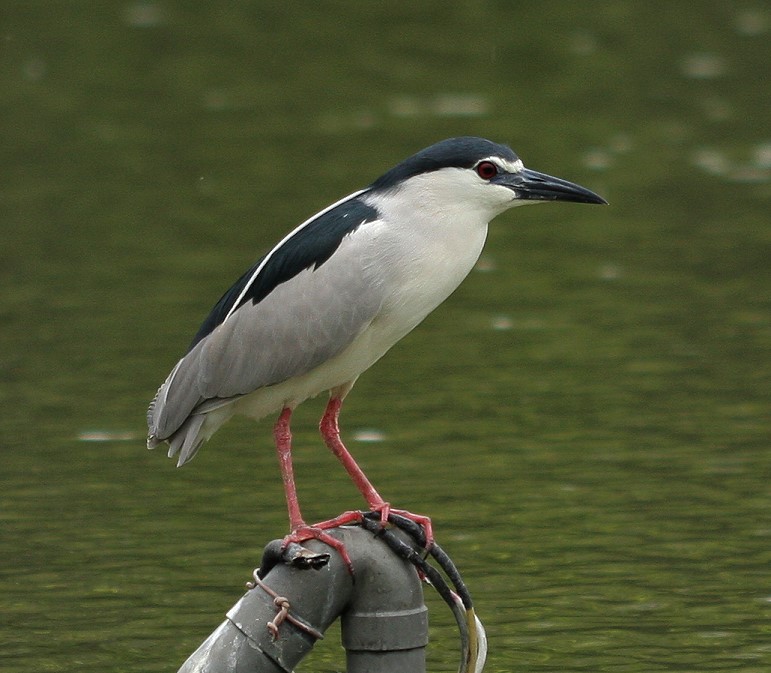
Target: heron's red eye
{"type": "Point", "coordinates": [486, 170]}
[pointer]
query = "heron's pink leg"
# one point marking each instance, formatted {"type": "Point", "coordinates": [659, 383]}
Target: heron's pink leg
{"type": "Point", "coordinates": [330, 431]}
{"type": "Point", "coordinates": [283, 437]}
{"type": "Point", "coordinates": [300, 531]}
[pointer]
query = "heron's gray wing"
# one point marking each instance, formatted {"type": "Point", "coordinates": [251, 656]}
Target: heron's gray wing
{"type": "Point", "coordinates": [298, 325]}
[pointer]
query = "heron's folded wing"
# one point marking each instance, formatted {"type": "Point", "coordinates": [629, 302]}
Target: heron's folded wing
{"type": "Point", "coordinates": [300, 324]}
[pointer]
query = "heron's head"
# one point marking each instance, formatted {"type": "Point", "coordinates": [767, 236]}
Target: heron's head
{"type": "Point", "coordinates": [473, 174]}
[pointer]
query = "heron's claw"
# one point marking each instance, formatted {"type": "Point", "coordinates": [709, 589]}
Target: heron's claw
{"type": "Point", "coordinates": [385, 510]}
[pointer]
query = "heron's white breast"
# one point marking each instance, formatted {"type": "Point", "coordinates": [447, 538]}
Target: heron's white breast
{"type": "Point", "coordinates": [426, 248]}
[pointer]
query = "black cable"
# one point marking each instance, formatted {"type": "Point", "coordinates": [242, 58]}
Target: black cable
{"type": "Point", "coordinates": [415, 531]}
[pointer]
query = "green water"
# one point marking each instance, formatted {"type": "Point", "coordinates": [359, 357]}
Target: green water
{"type": "Point", "coordinates": [586, 419]}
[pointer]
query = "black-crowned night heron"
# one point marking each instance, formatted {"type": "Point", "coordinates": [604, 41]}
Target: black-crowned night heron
{"type": "Point", "coordinates": [335, 294]}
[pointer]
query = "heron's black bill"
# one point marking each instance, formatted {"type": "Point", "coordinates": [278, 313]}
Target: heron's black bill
{"type": "Point", "coordinates": [535, 186]}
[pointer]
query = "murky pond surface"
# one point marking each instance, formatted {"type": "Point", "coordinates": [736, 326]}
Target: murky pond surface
{"type": "Point", "coordinates": [586, 419]}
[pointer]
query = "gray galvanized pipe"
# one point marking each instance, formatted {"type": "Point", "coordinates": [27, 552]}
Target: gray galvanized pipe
{"type": "Point", "coordinates": [384, 620]}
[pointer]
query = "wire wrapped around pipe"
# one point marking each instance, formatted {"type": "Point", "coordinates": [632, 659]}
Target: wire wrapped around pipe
{"type": "Point", "coordinates": [472, 633]}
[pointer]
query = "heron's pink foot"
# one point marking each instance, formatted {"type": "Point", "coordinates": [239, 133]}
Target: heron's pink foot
{"type": "Point", "coordinates": [384, 509]}
{"type": "Point", "coordinates": [316, 532]}
{"type": "Point", "coordinates": [423, 521]}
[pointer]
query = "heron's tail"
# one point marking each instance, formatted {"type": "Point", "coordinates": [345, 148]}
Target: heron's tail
{"type": "Point", "coordinates": [196, 429]}
{"type": "Point", "coordinates": [186, 441]}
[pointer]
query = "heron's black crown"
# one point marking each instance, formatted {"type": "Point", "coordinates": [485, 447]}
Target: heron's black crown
{"type": "Point", "coordinates": [463, 152]}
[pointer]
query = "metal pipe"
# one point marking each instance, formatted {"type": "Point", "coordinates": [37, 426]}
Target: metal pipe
{"type": "Point", "coordinates": [384, 619]}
